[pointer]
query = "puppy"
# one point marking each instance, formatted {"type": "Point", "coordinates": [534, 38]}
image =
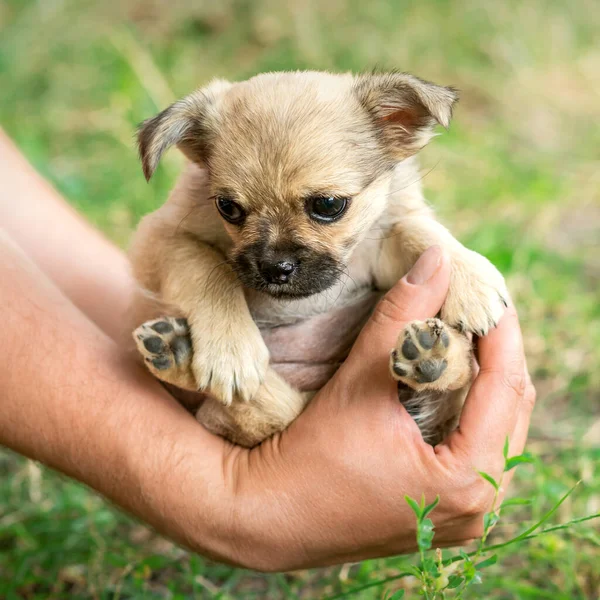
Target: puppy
{"type": "Point", "coordinates": [301, 192]}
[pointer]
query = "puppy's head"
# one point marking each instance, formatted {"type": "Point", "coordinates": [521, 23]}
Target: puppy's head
{"type": "Point", "coordinates": [299, 164]}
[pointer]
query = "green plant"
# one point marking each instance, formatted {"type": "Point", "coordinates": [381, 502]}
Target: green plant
{"type": "Point", "coordinates": [441, 578]}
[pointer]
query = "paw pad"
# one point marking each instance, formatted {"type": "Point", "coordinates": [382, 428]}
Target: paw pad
{"type": "Point", "coordinates": [164, 343]}
{"type": "Point", "coordinates": [428, 371]}
{"type": "Point", "coordinates": [421, 354]}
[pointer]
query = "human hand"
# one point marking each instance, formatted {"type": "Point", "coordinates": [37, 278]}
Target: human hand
{"type": "Point", "coordinates": [331, 488]}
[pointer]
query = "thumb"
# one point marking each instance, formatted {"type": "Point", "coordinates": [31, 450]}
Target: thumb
{"type": "Point", "coordinates": [418, 295]}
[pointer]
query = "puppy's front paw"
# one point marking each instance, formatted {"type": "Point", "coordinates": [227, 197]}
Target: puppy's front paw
{"type": "Point", "coordinates": [477, 296]}
{"type": "Point", "coordinates": [166, 347]}
{"type": "Point", "coordinates": [229, 365]}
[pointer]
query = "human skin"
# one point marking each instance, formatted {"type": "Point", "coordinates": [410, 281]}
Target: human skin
{"type": "Point", "coordinates": [330, 489]}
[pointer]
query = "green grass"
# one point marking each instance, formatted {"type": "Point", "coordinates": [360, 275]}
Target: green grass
{"type": "Point", "coordinates": [516, 178]}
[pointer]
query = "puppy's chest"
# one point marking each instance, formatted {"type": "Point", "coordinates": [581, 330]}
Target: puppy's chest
{"type": "Point", "coordinates": [270, 312]}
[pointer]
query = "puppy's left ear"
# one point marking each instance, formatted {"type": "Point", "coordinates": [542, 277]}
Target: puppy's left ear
{"type": "Point", "coordinates": [405, 109]}
{"type": "Point", "coordinates": [189, 123]}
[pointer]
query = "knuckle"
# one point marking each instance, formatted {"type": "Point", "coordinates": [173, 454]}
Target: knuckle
{"type": "Point", "coordinates": [515, 381]}
{"type": "Point", "coordinates": [476, 500]}
{"type": "Point", "coordinates": [530, 396]}
{"type": "Point", "coordinates": [388, 310]}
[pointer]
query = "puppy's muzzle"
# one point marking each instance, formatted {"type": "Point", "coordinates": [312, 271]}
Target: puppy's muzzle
{"type": "Point", "coordinates": [288, 271]}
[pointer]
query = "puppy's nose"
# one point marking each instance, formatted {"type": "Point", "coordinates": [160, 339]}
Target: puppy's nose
{"type": "Point", "coordinates": [278, 272]}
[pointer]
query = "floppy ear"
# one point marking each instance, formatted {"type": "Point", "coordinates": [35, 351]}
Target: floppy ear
{"type": "Point", "coordinates": [188, 123]}
{"type": "Point", "coordinates": [405, 109]}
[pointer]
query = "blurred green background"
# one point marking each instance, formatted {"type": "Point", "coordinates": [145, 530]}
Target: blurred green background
{"type": "Point", "coordinates": [516, 178]}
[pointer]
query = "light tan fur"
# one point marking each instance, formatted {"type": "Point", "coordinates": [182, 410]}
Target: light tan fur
{"type": "Point", "coordinates": [270, 143]}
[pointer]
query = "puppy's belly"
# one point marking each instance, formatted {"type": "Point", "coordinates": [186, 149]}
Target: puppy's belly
{"type": "Point", "coordinates": [307, 353]}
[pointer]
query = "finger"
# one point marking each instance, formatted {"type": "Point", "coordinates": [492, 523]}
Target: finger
{"type": "Point", "coordinates": [518, 438]}
{"type": "Point", "coordinates": [418, 295]}
{"type": "Point", "coordinates": [493, 404]}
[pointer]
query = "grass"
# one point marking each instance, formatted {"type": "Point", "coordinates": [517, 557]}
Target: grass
{"type": "Point", "coordinates": [516, 178]}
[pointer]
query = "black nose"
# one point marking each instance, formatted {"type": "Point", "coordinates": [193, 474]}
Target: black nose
{"type": "Point", "coordinates": [278, 272]}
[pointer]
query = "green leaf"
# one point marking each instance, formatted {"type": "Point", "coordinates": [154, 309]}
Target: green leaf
{"type": "Point", "coordinates": [425, 534]}
{"type": "Point", "coordinates": [536, 525]}
{"type": "Point", "coordinates": [492, 560]}
{"type": "Point", "coordinates": [529, 535]}
{"type": "Point", "coordinates": [416, 571]}
{"type": "Point", "coordinates": [489, 479]}
{"type": "Point", "coordinates": [469, 571]}
{"type": "Point", "coordinates": [431, 506]}
{"type": "Point", "coordinates": [516, 502]}
{"type": "Point", "coordinates": [505, 451]}
{"type": "Point", "coordinates": [415, 507]}
{"type": "Point", "coordinates": [548, 514]}
{"type": "Point", "coordinates": [430, 567]}
{"type": "Point", "coordinates": [394, 595]}
{"type": "Point", "coordinates": [489, 520]}
{"type": "Point", "coordinates": [454, 581]}
{"type": "Point", "coordinates": [513, 461]}
{"type": "Point", "coordinates": [464, 556]}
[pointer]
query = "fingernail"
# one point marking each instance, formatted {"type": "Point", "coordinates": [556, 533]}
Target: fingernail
{"type": "Point", "coordinates": [426, 267]}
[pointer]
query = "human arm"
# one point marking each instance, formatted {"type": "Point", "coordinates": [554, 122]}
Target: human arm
{"type": "Point", "coordinates": [91, 271]}
{"type": "Point", "coordinates": [72, 400]}
{"type": "Point", "coordinates": [96, 276]}
{"type": "Point", "coordinates": [329, 489]}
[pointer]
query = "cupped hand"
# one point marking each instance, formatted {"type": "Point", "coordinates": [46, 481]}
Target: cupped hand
{"type": "Point", "coordinates": [331, 488]}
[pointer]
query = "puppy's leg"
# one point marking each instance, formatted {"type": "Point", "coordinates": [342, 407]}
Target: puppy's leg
{"type": "Point", "coordinates": [477, 295]}
{"type": "Point", "coordinates": [166, 346]}
{"type": "Point", "coordinates": [271, 410]}
{"type": "Point", "coordinates": [229, 356]}
{"type": "Point", "coordinates": [434, 362]}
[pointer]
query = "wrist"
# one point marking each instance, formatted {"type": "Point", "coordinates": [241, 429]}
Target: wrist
{"type": "Point", "coordinates": [174, 471]}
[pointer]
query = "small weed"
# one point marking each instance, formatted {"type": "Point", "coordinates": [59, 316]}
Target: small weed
{"type": "Point", "coordinates": [447, 577]}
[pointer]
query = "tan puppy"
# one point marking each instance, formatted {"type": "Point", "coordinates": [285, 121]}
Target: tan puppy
{"type": "Point", "coordinates": [300, 193]}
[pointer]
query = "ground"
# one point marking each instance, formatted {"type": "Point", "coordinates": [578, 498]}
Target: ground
{"type": "Point", "coordinates": [516, 178]}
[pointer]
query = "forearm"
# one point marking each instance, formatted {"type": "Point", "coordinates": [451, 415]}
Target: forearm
{"type": "Point", "coordinates": [89, 270]}
{"type": "Point", "coordinates": [71, 400]}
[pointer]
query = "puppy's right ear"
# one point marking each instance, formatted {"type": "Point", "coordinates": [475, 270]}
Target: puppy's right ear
{"type": "Point", "coordinates": [188, 123]}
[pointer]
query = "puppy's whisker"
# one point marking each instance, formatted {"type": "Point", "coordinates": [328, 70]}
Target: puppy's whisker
{"type": "Point", "coordinates": [344, 271]}
{"type": "Point", "coordinates": [342, 289]}
{"type": "Point", "coordinates": [413, 182]}
{"type": "Point", "coordinates": [343, 283]}
{"type": "Point", "coordinates": [384, 237]}
{"type": "Point", "coordinates": [185, 217]}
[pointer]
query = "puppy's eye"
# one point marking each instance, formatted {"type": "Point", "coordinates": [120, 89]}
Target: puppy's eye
{"type": "Point", "coordinates": [326, 208]}
{"type": "Point", "coordinates": [230, 210]}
